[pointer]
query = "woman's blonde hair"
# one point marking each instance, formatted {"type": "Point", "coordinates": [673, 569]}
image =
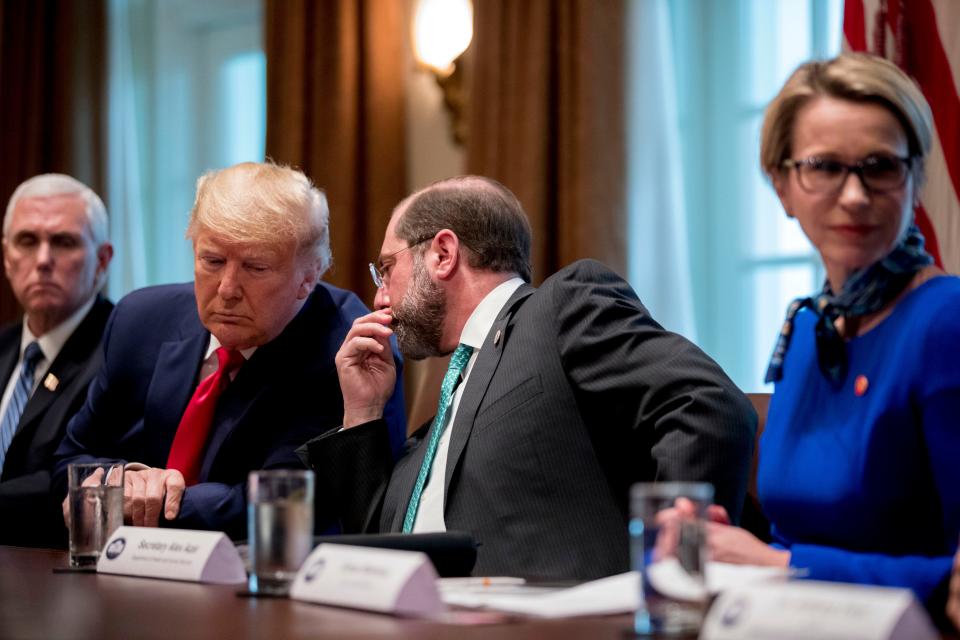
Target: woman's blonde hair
{"type": "Point", "coordinates": [264, 203]}
{"type": "Point", "coordinates": [857, 77]}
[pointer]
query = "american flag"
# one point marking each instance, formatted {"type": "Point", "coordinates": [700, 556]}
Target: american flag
{"type": "Point", "coordinates": [923, 38]}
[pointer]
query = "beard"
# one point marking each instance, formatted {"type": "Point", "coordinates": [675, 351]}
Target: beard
{"type": "Point", "coordinates": [418, 317]}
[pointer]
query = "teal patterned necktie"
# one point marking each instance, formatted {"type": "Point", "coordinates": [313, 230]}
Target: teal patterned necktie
{"type": "Point", "coordinates": [457, 362]}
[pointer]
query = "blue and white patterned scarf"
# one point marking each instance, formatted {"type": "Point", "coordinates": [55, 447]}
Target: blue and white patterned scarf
{"type": "Point", "coordinates": [865, 292]}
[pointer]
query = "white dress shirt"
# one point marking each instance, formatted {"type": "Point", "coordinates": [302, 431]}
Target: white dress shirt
{"type": "Point", "coordinates": [50, 343]}
{"type": "Point", "coordinates": [211, 363]}
{"type": "Point", "coordinates": [430, 512]}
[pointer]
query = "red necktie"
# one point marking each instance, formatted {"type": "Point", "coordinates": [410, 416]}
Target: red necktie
{"type": "Point", "coordinates": [186, 454]}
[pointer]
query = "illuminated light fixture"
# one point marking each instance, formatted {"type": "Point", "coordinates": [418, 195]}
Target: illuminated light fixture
{"type": "Point", "coordinates": [442, 31]}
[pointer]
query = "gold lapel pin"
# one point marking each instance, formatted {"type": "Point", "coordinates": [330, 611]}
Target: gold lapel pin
{"type": "Point", "coordinates": [51, 382]}
{"type": "Point", "coordinates": [496, 338]}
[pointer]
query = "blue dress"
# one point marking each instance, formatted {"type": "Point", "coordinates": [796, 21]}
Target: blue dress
{"type": "Point", "coordinates": [862, 483]}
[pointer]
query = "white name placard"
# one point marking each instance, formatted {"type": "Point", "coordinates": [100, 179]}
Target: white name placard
{"type": "Point", "coordinates": [385, 580]}
{"type": "Point", "coordinates": [174, 554]}
{"type": "Point", "coordinates": [810, 609]}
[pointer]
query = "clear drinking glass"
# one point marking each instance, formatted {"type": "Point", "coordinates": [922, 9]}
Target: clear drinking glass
{"type": "Point", "coordinates": [96, 508]}
{"type": "Point", "coordinates": [668, 550]}
{"type": "Point", "coordinates": [279, 527]}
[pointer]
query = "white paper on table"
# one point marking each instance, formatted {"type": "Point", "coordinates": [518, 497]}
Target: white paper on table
{"type": "Point", "coordinates": [667, 577]}
{"type": "Point", "coordinates": [606, 596]}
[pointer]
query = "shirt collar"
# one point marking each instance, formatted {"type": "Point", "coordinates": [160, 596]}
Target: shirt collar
{"type": "Point", "coordinates": [481, 320]}
{"type": "Point", "coordinates": [215, 344]}
{"type": "Point", "coordinates": [52, 341]}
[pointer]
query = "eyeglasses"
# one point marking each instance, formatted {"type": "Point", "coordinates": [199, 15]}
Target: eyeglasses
{"type": "Point", "coordinates": [378, 275]}
{"type": "Point", "coordinates": [877, 173]}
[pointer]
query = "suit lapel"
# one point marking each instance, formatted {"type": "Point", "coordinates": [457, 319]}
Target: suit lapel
{"type": "Point", "coordinates": [69, 363]}
{"type": "Point", "coordinates": [483, 370]}
{"type": "Point", "coordinates": [403, 477]}
{"type": "Point", "coordinates": [9, 353]}
{"type": "Point", "coordinates": [251, 382]}
{"type": "Point", "coordinates": [48, 391]}
{"type": "Point", "coordinates": [174, 379]}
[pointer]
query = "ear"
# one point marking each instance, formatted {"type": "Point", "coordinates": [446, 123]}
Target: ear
{"type": "Point", "coordinates": [310, 274]}
{"type": "Point", "coordinates": [104, 256]}
{"type": "Point", "coordinates": [6, 257]}
{"type": "Point", "coordinates": [780, 180]}
{"type": "Point", "coordinates": [445, 250]}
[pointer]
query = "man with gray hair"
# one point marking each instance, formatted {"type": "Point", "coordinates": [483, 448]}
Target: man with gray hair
{"type": "Point", "coordinates": [55, 255]}
{"type": "Point", "coordinates": [203, 383]}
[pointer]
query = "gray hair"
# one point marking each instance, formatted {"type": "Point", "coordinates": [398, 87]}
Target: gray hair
{"type": "Point", "coordinates": [57, 184]}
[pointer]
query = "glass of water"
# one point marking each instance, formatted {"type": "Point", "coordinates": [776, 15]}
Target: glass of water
{"type": "Point", "coordinates": [96, 508]}
{"type": "Point", "coordinates": [668, 550]}
{"type": "Point", "coordinates": [279, 527]}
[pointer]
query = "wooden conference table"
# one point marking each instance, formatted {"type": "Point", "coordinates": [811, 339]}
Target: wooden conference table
{"type": "Point", "coordinates": [37, 603]}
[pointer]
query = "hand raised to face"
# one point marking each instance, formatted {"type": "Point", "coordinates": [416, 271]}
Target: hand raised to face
{"type": "Point", "coordinates": [366, 368]}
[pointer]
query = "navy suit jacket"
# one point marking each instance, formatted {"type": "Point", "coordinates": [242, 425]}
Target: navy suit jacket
{"type": "Point", "coordinates": [285, 394]}
{"type": "Point", "coordinates": [29, 516]}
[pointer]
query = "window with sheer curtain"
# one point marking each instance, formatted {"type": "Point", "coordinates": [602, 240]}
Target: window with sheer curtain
{"type": "Point", "coordinates": [187, 94]}
{"type": "Point", "coordinates": [745, 258]}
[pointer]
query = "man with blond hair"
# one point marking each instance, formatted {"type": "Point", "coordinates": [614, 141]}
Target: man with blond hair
{"type": "Point", "coordinates": [55, 255]}
{"type": "Point", "coordinates": [203, 383]}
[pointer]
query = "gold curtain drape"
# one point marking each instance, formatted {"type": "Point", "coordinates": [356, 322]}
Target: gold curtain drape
{"type": "Point", "coordinates": [52, 97]}
{"type": "Point", "coordinates": [547, 116]}
{"type": "Point", "coordinates": [335, 109]}
{"type": "Point", "coordinates": [547, 119]}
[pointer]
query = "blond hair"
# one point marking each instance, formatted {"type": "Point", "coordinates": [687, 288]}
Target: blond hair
{"type": "Point", "coordinates": [857, 77]}
{"type": "Point", "coordinates": [263, 203]}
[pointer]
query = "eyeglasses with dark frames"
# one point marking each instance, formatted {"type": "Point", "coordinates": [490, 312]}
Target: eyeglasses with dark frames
{"type": "Point", "coordinates": [377, 273]}
{"type": "Point", "coordinates": [877, 173]}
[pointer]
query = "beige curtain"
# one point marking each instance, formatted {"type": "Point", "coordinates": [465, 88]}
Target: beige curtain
{"type": "Point", "coordinates": [52, 97]}
{"type": "Point", "coordinates": [546, 118]}
{"type": "Point", "coordinates": [335, 109]}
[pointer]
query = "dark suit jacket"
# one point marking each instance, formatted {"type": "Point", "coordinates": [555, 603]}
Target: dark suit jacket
{"type": "Point", "coordinates": [285, 394]}
{"type": "Point", "coordinates": [582, 396]}
{"type": "Point", "coordinates": [29, 516]}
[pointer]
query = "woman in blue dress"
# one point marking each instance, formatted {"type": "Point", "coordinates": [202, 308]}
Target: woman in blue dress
{"type": "Point", "coordinates": [859, 465]}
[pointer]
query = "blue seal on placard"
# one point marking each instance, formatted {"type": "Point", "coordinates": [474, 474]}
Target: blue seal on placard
{"type": "Point", "coordinates": [315, 570]}
{"type": "Point", "coordinates": [115, 548]}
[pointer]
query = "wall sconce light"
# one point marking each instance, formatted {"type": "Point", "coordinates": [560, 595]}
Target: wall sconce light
{"type": "Point", "coordinates": [442, 31]}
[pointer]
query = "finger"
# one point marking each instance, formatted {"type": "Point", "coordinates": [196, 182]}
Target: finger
{"type": "Point", "coordinates": [175, 486]}
{"type": "Point", "coordinates": [66, 511]}
{"type": "Point", "coordinates": [368, 330]}
{"type": "Point", "coordinates": [137, 504]}
{"type": "Point", "coordinates": [716, 513]}
{"type": "Point", "coordinates": [93, 479]}
{"type": "Point", "coordinates": [128, 497]}
{"type": "Point", "coordinates": [686, 508]}
{"type": "Point", "coordinates": [379, 318]}
{"type": "Point", "coordinates": [153, 498]}
{"type": "Point", "coordinates": [359, 349]}
{"type": "Point", "coordinates": [666, 515]}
